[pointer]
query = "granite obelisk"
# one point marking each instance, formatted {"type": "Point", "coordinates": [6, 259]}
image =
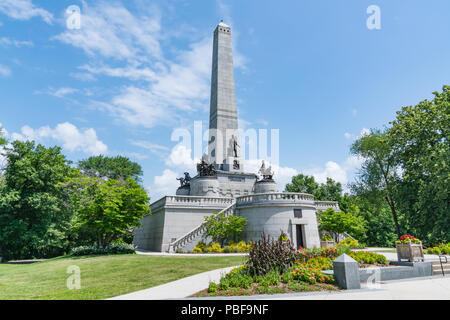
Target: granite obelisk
{"type": "Point", "coordinates": [223, 147]}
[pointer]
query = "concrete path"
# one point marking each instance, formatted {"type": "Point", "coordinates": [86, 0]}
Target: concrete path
{"type": "Point", "coordinates": [177, 289]}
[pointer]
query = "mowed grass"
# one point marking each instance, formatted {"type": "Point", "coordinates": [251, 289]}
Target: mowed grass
{"type": "Point", "coordinates": [101, 276]}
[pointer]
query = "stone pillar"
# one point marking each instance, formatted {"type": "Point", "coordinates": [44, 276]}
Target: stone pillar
{"type": "Point", "coordinates": [346, 272]}
{"type": "Point", "coordinates": [223, 146]}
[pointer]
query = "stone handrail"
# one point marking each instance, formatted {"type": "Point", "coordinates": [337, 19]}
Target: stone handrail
{"type": "Point", "coordinates": [277, 196]}
{"type": "Point", "coordinates": [323, 205]}
{"type": "Point", "coordinates": [192, 201]}
{"type": "Point", "coordinates": [182, 241]}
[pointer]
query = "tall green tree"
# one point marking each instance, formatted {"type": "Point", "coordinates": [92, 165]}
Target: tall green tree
{"type": "Point", "coordinates": [420, 141]}
{"type": "Point", "coordinates": [338, 222]}
{"type": "Point", "coordinates": [378, 176]}
{"type": "Point", "coordinates": [117, 168]}
{"type": "Point", "coordinates": [224, 228]}
{"type": "Point", "coordinates": [34, 212]}
{"type": "Point", "coordinates": [110, 209]}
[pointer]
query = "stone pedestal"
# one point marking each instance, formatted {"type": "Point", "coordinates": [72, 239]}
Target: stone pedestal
{"type": "Point", "coordinates": [346, 272]}
{"type": "Point", "coordinates": [266, 186]}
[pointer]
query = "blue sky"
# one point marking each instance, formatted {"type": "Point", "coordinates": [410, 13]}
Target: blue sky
{"type": "Point", "coordinates": [137, 70]}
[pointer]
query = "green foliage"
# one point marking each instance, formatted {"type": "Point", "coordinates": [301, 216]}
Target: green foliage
{"type": "Point", "coordinates": [224, 228]}
{"type": "Point", "coordinates": [378, 176]}
{"type": "Point", "coordinates": [309, 273]}
{"type": "Point", "coordinates": [327, 237]}
{"type": "Point", "coordinates": [34, 215]}
{"type": "Point", "coordinates": [108, 208]}
{"type": "Point", "coordinates": [420, 142]}
{"type": "Point", "coordinates": [368, 257]}
{"type": "Point", "coordinates": [340, 222]}
{"type": "Point", "coordinates": [441, 249]}
{"type": "Point", "coordinates": [117, 168]}
{"type": "Point", "coordinates": [349, 242]}
{"type": "Point", "coordinates": [2, 137]}
{"type": "Point", "coordinates": [267, 254]}
{"type": "Point", "coordinates": [96, 250]}
{"type": "Point", "coordinates": [329, 191]}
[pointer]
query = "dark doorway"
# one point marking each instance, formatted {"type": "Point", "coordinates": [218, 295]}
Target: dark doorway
{"type": "Point", "coordinates": [299, 229]}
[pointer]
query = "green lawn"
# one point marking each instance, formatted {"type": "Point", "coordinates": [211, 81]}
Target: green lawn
{"type": "Point", "coordinates": [102, 276]}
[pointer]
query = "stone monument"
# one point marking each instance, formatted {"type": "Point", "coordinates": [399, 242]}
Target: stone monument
{"type": "Point", "coordinates": [222, 185]}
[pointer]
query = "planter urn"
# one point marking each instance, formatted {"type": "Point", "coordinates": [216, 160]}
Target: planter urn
{"type": "Point", "coordinates": [409, 251]}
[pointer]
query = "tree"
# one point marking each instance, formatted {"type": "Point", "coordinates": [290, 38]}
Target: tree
{"type": "Point", "coordinates": [2, 137]}
{"type": "Point", "coordinates": [223, 228]}
{"type": "Point", "coordinates": [117, 168]}
{"type": "Point", "coordinates": [420, 141]}
{"type": "Point", "coordinates": [34, 212]}
{"type": "Point", "coordinates": [338, 222]}
{"type": "Point", "coordinates": [378, 175]}
{"type": "Point", "coordinates": [329, 191]}
{"type": "Point", "coordinates": [110, 209]}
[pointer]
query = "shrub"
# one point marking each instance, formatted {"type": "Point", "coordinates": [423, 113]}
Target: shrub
{"type": "Point", "coordinates": [321, 263]}
{"type": "Point", "coordinates": [267, 254]}
{"type": "Point", "coordinates": [201, 245]}
{"type": "Point", "coordinates": [215, 247]}
{"type": "Point", "coordinates": [213, 287]}
{"type": "Point", "coordinates": [197, 250]}
{"type": "Point", "coordinates": [368, 257]}
{"type": "Point", "coordinates": [96, 250]}
{"type": "Point", "coordinates": [326, 237]}
{"type": "Point", "coordinates": [442, 248]}
{"type": "Point", "coordinates": [271, 278]}
{"type": "Point", "coordinates": [349, 242]}
{"type": "Point", "coordinates": [243, 247]}
{"type": "Point", "coordinates": [310, 274]}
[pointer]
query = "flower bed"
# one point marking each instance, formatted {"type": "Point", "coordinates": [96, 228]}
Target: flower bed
{"type": "Point", "coordinates": [304, 273]}
{"type": "Point", "coordinates": [440, 249]}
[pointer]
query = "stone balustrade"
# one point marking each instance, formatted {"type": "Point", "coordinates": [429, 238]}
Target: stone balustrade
{"type": "Point", "coordinates": [288, 197]}
{"type": "Point", "coordinates": [192, 201]}
{"type": "Point", "coordinates": [324, 205]}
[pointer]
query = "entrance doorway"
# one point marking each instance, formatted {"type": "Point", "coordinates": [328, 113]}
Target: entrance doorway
{"type": "Point", "coordinates": [299, 229]}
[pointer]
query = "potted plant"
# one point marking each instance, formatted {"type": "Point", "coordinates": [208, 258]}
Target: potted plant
{"type": "Point", "coordinates": [327, 241]}
{"type": "Point", "coordinates": [409, 248]}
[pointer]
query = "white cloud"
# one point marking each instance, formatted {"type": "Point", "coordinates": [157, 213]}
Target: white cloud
{"type": "Point", "coordinates": [83, 76]}
{"type": "Point", "coordinates": [347, 135]}
{"type": "Point", "coordinates": [71, 138]}
{"type": "Point", "coordinates": [180, 158]}
{"type": "Point", "coordinates": [338, 172]}
{"type": "Point", "coordinates": [165, 184]}
{"type": "Point", "coordinates": [24, 10]}
{"type": "Point", "coordinates": [4, 71]}
{"type": "Point", "coordinates": [111, 31]}
{"type": "Point", "coordinates": [354, 112]}
{"type": "Point", "coordinates": [61, 92]}
{"type": "Point", "coordinates": [152, 147]}
{"type": "Point", "coordinates": [6, 42]}
{"type": "Point", "coordinates": [165, 86]}
{"type": "Point", "coordinates": [364, 132]}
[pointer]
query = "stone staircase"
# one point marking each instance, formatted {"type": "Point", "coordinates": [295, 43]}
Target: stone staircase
{"type": "Point", "coordinates": [190, 239]}
{"type": "Point", "coordinates": [437, 269]}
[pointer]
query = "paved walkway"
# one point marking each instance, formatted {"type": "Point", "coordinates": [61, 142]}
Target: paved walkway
{"type": "Point", "coordinates": [177, 289]}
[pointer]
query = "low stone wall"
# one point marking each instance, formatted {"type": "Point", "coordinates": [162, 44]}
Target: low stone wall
{"type": "Point", "coordinates": [398, 270]}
